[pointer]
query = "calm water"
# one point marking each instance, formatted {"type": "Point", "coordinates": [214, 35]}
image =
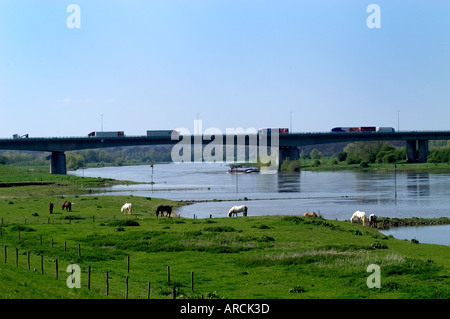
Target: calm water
{"type": "Point", "coordinates": [335, 195]}
{"type": "Point", "coordinates": [437, 234]}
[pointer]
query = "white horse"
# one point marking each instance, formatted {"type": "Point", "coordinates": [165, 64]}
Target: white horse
{"type": "Point", "coordinates": [127, 207]}
{"type": "Point", "coordinates": [373, 220]}
{"type": "Point", "coordinates": [359, 215]}
{"type": "Point", "coordinates": [237, 209]}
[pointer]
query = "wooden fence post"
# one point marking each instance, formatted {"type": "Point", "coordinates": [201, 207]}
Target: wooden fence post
{"type": "Point", "coordinates": [107, 284]}
{"type": "Point", "coordinates": [89, 278]}
{"type": "Point", "coordinates": [126, 287]}
{"type": "Point", "coordinates": [42, 264]}
{"type": "Point", "coordinates": [148, 290]}
{"type": "Point", "coordinates": [168, 274]}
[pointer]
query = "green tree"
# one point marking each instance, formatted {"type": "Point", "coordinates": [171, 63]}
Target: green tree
{"type": "Point", "coordinates": [74, 160]}
{"type": "Point", "coordinates": [315, 154]}
{"type": "Point", "coordinates": [366, 151]}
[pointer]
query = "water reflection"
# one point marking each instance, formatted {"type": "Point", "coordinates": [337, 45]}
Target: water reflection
{"type": "Point", "coordinates": [418, 184]}
{"type": "Point", "coordinates": [288, 182]}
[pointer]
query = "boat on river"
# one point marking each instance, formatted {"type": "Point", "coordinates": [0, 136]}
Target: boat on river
{"type": "Point", "coordinates": [238, 169]}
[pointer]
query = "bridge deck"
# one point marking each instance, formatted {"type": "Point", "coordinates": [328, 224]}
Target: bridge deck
{"type": "Point", "coordinates": [63, 144]}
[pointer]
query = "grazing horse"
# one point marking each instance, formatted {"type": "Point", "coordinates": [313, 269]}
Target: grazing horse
{"type": "Point", "coordinates": [237, 209]}
{"type": "Point", "coordinates": [359, 215]}
{"type": "Point", "coordinates": [373, 220]}
{"type": "Point", "coordinates": [67, 206]}
{"type": "Point", "coordinates": [310, 214]}
{"type": "Point", "coordinates": [50, 208]}
{"type": "Point", "coordinates": [164, 208]}
{"type": "Point", "coordinates": [127, 207]}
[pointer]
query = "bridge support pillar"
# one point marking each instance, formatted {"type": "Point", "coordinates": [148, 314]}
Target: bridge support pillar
{"type": "Point", "coordinates": [411, 151]}
{"type": "Point", "coordinates": [288, 152]}
{"type": "Point", "coordinates": [58, 163]}
{"type": "Point", "coordinates": [423, 151]}
{"type": "Point", "coordinates": [417, 151]}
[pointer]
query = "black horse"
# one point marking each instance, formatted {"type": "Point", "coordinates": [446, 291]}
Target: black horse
{"type": "Point", "coordinates": [164, 208]}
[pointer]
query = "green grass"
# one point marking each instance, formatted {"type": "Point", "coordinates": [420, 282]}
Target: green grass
{"type": "Point", "coordinates": [37, 182]}
{"type": "Point", "coordinates": [243, 257]}
{"type": "Point", "coordinates": [253, 257]}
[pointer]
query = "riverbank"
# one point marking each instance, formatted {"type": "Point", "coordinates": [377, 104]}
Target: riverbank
{"type": "Point", "coordinates": [36, 182]}
{"type": "Point", "coordinates": [386, 222]}
{"type": "Point", "coordinates": [331, 164]}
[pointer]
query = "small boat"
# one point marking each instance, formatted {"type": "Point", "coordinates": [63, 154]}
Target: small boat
{"type": "Point", "coordinates": [238, 169]}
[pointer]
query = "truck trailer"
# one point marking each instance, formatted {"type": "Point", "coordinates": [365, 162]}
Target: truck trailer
{"type": "Point", "coordinates": [162, 133]}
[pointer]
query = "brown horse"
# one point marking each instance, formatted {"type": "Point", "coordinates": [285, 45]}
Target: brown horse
{"type": "Point", "coordinates": [310, 214]}
{"type": "Point", "coordinates": [50, 208]}
{"type": "Point", "coordinates": [163, 208]}
{"type": "Point", "coordinates": [67, 206]}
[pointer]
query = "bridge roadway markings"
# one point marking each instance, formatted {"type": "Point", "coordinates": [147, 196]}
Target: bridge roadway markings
{"type": "Point", "coordinates": [287, 143]}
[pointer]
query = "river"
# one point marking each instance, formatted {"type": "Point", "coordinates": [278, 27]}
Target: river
{"type": "Point", "coordinates": [334, 195]}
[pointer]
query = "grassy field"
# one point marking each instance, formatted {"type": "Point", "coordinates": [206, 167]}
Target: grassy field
{"type": "Point", "coordinates": [244, 257]}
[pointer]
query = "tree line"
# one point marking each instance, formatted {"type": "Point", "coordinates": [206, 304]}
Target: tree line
{"type": "Point", "coordinates": [116, 156]}
{"type": "Point", "coordinates": [365, 153]}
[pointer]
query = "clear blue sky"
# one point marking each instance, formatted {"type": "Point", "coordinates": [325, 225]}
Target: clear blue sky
{"type": "Point", "coordinates": [233, 63]}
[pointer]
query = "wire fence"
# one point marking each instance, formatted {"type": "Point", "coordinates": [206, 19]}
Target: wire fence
{"type": "Point", "coordinates": [24, 248]}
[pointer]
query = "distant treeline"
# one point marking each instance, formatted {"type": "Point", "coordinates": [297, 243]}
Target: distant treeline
{"type": "Point", "coordinates": [365, 153]}
{"type": "Point", "coordinates": [119, 156]}
{"type": "Point", "coordinates": [23, 158]}
{"type": "Point", "coordinates": [84, 158]}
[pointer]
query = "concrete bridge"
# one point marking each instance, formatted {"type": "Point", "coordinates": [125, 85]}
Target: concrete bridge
{"type": "Point", "coordinates": [416, 143]}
